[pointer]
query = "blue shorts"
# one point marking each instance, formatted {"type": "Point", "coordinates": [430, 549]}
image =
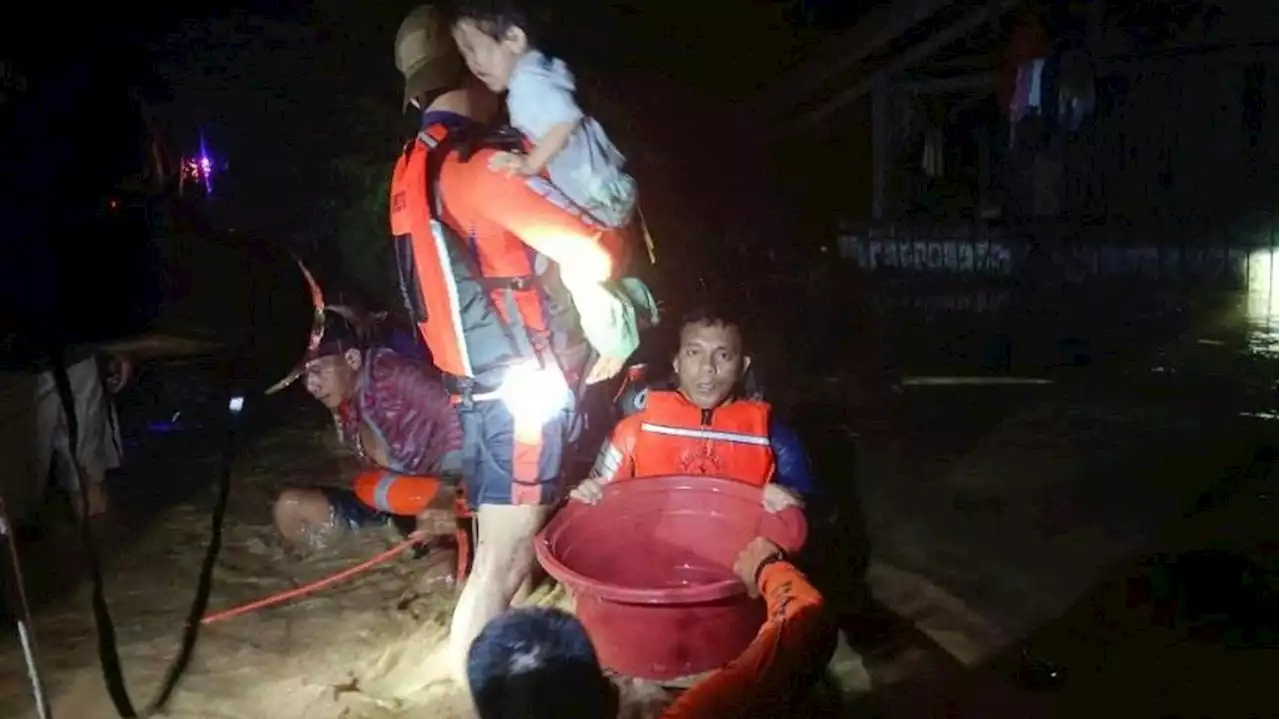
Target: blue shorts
{"type": "Point", "coordinates": [354, 514]}
{"type": "Point", "coordinates": [498, 469]}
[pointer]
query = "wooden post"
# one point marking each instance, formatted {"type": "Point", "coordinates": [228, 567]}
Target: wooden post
{"type": "Point", "coordinates": [879, 149]}
{"type": "Point", "coordinates": [903, 61]}
{"type": "Point", "coordinates": [882, 25]}
{"type": "Point", "coordinates": [984, 170]}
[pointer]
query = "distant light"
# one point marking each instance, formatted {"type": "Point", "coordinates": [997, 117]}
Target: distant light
{"type": "Point", "coordinates": [1262, 300]}
{"type": "Point", "coordinates": [206, 166]}
{"type": "Point", "coordinates": [236, 404]}
{"type": "Point", "coordinates": [198, 168]}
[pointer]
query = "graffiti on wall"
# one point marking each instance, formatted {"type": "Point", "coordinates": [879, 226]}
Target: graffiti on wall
{"type": "Point", "coordinates": [1000, 257]}
{"type": "Point", "coordinates": [942, 256]}
{"type": "Point", "coordinates": [974, 301]}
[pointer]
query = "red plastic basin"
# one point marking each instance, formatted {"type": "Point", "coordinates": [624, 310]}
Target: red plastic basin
{"type": "Point", "coordinates": [650, 567]}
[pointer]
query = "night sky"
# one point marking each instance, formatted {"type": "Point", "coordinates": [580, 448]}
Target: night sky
{"type": "Point", "coordinates": [301, 100]}
{"type": "Point", "coordinates": [300, 104]}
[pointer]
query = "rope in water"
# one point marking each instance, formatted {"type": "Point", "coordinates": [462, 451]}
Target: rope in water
{"type": "Point", "coordinates": [308, 588]}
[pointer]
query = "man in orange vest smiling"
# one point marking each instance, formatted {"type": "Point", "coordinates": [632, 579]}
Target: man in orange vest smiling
{"type": "Point", "coordinates": [706, 426]}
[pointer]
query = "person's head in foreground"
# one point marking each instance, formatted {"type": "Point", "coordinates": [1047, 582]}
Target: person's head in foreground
{"type": "Point", "coordinates": [492, 36]}
{"type": "Point", "coordinates": [538, 663]}
{"type": "Point", "coordinates": [710, 362]}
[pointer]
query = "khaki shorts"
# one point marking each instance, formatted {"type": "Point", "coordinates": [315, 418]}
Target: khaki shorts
{"type": "Point", "coordinates": [35, 438]}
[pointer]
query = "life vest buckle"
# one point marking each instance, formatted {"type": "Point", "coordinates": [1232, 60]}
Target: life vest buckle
{"type": "Point", "coordinates": [460, 391]}
{"type": "Point", "coordinates": [464, 392]}
{"type": "Point", "coordinates": [520, 283]}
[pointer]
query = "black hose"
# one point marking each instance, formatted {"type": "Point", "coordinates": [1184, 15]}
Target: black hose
{"type": "Point", "coordinates": [204, 585]}
{"type": "Point", "coordinates": [108, 652]}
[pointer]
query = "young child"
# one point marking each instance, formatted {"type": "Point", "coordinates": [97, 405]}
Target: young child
{"type": "Point", "coordinates": [496, 41]}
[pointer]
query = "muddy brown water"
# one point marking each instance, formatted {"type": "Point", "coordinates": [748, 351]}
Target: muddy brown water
{"type": "Point", "coordinates": [368, 647]}
{"type": "Point", "coordinates": [316, 656]}
{"type": "Point", "coordinates": [1009, 529]}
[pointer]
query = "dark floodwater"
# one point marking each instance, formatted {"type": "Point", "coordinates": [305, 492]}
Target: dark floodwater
{"type": "Point", "coordinates": [1157, 434]}
{"type": "Point", "coordinates": [1190, 365]}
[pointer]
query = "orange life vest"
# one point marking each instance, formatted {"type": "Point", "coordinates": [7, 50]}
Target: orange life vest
{"type": "Point", "coordinates": [402, 494]}
{"type": "Point", "coordinates": [393, 493]}
{"type": "Point", "coordinates": [677, 437]}
{"type": "Point", "coordinates": [479, 309]}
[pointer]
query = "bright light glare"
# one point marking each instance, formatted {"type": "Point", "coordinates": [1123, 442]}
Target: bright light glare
{"type": "Point", "coordinates": [1262, 303]}
{"type": "Point", "coordinates": [534, 394]}
{"type": "Point", "coordinates": [236, 404]}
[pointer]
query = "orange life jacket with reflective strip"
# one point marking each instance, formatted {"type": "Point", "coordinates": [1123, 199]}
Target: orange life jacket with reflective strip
{"type": "Point", "coordinates": [471, 322]}
{"type": "Point", "coordinates": [677, 437]}
{"type": "Point", "coordinates": [393, 493]}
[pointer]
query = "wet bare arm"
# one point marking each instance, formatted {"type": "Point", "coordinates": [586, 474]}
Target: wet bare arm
{"type": "Point", "coordinates": [540, 216]}
{"type": "Point", "coordinates": [548, 146]}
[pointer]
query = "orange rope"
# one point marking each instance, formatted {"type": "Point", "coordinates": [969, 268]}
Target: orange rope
{"type": "Point", "coordinates": [308, 588]}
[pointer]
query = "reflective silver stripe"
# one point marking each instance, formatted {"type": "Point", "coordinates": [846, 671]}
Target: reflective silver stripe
{"type": "Point", "coordinates": [608, 462]}
{"type": "Point", "coordinates": [380, 500]}
{"type": "Point", "coordinates": [552, 194]}
{"type": "Point", "coordinates": [705, 434]}
{"type": "Point", "coordinates": [455, 313]}
{"type": "Point", "coordinates": [428, 140]}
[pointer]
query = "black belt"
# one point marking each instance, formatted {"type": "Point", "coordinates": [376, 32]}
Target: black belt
{"type": "Point", "coordinates": [519, 283]}
{"type": "Point", "coordinates": [464, 386]}
{"type": "Point", "coordinates": [465, 392]}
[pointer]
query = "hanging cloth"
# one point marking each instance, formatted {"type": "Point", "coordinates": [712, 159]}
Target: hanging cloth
{"type": "Point", "coordinates": [933, 161]}
{"type": "Point", "coordinates": [1076, 90]}
{"type": "Point", "coordinates": [1027, 44]}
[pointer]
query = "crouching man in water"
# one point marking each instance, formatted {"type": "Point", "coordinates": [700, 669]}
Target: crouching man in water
{"type": "Point", "coordinates": [706, 425]}
{"type": "Point", "coordinates": [398, 419]}
{"type": "Point", "coordinates": [539, 663]}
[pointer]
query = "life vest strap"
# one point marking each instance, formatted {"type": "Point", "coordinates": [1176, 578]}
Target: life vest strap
{"type": "Point", "coordinates": [512, 325]}
{"type": "Point", "coordinates": [464, 391]}
{"type": "Point", "coordinates": [713, 434]}
{"type": "Point", "coordinates": [518, 283]}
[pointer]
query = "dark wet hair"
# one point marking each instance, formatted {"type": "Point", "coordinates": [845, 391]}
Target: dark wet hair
{"type": "Point", "coordinates": [538, 663]}
{"type": "Point", "coordinates": [713, 316]}
{"type": "Point", "coordinates": [496, 18]}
